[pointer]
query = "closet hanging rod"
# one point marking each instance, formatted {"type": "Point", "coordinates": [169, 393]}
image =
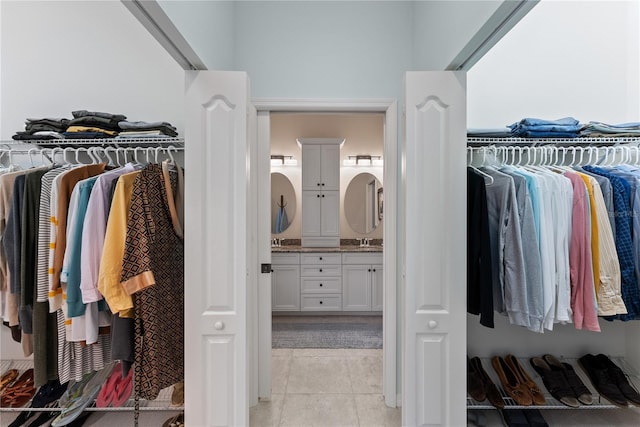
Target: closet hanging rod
{"type": "Point", "coordinates": [100, 142]}
{"type": "Point", "coordinates": [536, 142]}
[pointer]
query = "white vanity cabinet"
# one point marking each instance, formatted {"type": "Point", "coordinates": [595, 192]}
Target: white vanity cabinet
{"type": "Point", "coordinates": [362, 281]}
{"type": "Point", "coordinates": [320, 282]}
{"type": "Point", "coordinates": [285, 282]}
{"type": "Point", "coordinates": [320, 192]}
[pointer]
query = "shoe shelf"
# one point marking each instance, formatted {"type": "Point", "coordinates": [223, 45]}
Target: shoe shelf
{"type": "Point", "coordinates": [161, 403]}
{"type": "Point", "coordinates": [599, 402]}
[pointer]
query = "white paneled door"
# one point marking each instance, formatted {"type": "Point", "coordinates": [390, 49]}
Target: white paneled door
{"type": "Point", "coordinates": [435, 270]}
{"type": "Point", "coordinates": [218, 227]}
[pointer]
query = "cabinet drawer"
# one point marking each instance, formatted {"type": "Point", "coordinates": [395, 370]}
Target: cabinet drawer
{"type": "Point", "coordinates": [315, 285]}
{"type": "Point", "coordinates": [329, 302]}
{"type": "Point", "coordinates": [362, 258]}
{"type": "Point", "coordinates": [285, 258]}
{"type": "Point", "coordinates": [320, 258]}
{"type": "Point", "coordinates": [320, 270]}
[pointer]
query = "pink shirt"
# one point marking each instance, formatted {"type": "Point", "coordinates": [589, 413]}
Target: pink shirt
{"type": "Point", "coordinates": [580, 259]}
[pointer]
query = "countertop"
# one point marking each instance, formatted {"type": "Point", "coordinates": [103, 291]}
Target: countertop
{"type": "Point", "coordinates": [297, 248]}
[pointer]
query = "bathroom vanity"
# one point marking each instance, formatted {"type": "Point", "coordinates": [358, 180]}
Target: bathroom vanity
{"type": "Point", "coordinates": [345, 279]}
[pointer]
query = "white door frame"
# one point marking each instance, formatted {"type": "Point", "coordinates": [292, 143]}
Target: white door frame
{"type": "Point", "coordinates": [390, 236]}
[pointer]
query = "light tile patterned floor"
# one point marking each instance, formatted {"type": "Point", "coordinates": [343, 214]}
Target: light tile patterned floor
{"type": "Point", "coordinates": [326, 387]}
{"type": "Point", "coordinates": [323, 387]}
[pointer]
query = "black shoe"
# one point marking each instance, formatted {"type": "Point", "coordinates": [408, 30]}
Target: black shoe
{"type": "Point", "coordinates": [555, 382]}
{"type": "Point", "coordinates": [582, 393]}
{"type": "Point", "coordinates": [535, 418]}
{"type": "Point", "coordinates": [515, 417]}
{"type": "Point", "coordinates": [618, 376]}
{"type": "Point", "coordinates": [601, 379]}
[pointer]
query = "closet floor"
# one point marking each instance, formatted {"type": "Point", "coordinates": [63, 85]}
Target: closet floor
{"type": "Point", "coordinates": [325, 387]}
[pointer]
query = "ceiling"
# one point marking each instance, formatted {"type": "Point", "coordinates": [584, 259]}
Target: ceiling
{"type": "Point", "coordinates": [447, 35]}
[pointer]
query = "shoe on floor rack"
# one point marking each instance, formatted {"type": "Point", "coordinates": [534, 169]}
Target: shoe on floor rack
{"type": "Point", "coordinates": [618, 376]}
{"type": "Point", "coordinates": [492, 392]}
{"type": "Point", "coordinates": [511, 384]}
{"type": "Point", "coordinates": [601, 379]}
{"type": "Point", "coordinates": [475, 386]}
{"type": "Point", "coordinates": [555, 382]}
{"type": "Point", "coordinates": [582, 393]}
{"type": "Point", "coordinates": [523, 377]}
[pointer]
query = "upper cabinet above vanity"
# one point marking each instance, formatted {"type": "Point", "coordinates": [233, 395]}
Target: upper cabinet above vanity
{"type": "Point", "coordinates": [320, 192]}
{"type": "Point", "coordinates": [320, 163]}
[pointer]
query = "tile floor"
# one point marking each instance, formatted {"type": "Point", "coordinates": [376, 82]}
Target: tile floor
{"type": "Point", "coordinates": [326, 387]}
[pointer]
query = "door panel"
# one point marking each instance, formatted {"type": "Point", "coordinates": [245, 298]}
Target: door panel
{"type": "Point", "coordinates": [434, 381]}
{"type": "Point", "coordinates": [216, 312]}
{"type": "Point", "coordinates": [377, 287]}
{"type": "Point", "coordinates": [330, 202]}
{"type": "Point", "coordinates": [356, 285]}
{"type": "Point", "coordinates": [330, 160]}
{"type": "Point", "coordinates": [311, 213]}
{"type": "Point", "coordinates": [311, 167]}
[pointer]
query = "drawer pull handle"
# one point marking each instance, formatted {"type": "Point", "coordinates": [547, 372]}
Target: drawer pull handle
{"type": "Point", "coordinates": [218, 326]}
{"type": "Point", "coordinates": [323, 195]}
{"type": "Point", "coordinates": [318, 184]}
{"type": "Point", "coordinates": [318, 196]}
{"type": "Point", "coordinates": [374, 270]}
{"type": "Point", "coordinates": [320, 270]}
{"type": "Point", "coordinates": [369, 270]}
{"type": "Point", "coordinates": [320, 284]}
{"type": "Point", "coordinates": [320, 302]}
{"type": "Point", "coordinates": [320, 258]}
{"type": "Point", "coordinates": [323, 184]}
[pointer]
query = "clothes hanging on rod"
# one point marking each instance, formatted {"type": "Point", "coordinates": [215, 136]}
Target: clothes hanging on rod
{"type": "Point", "coordinates": [545, 210]}
{"type": "Point", "coordinates": [79, 196]}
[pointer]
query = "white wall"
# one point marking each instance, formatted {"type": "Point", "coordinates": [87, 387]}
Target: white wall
{"type": "Point", "coordinates": [208, 26]}
{"type": "Point", "coordinates": [93, 55]}
{"type": "Point", "coordinates": [565, 58]}
{"type": "Point", "coordinates": [451, 24]}
{"type": "Point", "coordinates": [324, 49]}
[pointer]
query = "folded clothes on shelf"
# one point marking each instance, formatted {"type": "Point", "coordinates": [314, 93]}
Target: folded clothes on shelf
{"type": "Point", "coordinates": [504, 132]}
{"type": "Point", "coordinates": [166, 128]}
{"type": "Point", "coordinates": [567, 127]}
{"type": "Point", "coordinates": [593, 129]}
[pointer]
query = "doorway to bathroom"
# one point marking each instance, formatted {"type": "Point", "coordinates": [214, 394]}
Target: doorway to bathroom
{"type": "Point", "coordinates": [367, 168]}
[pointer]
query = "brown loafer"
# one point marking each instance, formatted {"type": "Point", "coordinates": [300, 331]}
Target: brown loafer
{"type": "Point", "coordinates": [7, 378]}
{"type": "Point", "coordinates": [518, 391]}
{"type": "Point", "coordinates": [523, 377]}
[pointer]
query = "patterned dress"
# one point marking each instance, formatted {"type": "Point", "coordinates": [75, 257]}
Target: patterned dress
{"type": "Point", "coordinates": [153, 267]}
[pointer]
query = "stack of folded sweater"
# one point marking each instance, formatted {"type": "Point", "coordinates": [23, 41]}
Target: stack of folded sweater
{"type": "Point", "coordinates": [567, 127]}
{"type": "Point", "coordinates": [142, 129]}
{"type": "Point", "coordinates": [599, 129]}
{"type": "Point", "coordinates": [45, 128]}
{"type": "Point", "coordinates": [93, 124]}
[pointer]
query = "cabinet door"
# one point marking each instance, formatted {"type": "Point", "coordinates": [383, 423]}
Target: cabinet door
{"type": "Point", "coordinates": [330, 167]}
{"type": "Point", "coordinates": [376, 287]}
{"type": "Point", "coordinates": [311, 213]}
{"type": "Point", "coordinates": [356, 287]}
{"type": "Point", "coordinates": [311, 167]}
{"type": "Point", "coordinates": [285, 295]}
{"type": "Point", "coordinates": [330, 213]}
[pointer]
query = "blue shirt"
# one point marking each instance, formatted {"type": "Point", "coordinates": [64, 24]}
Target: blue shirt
{"type": "Point", "coordinates": [624, 243]}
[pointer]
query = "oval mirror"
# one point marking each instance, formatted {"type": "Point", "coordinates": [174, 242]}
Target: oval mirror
{"type": "Point", "coordinates": [283, 202]}
{"type": "Point", "coordinates": [363, 203]}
